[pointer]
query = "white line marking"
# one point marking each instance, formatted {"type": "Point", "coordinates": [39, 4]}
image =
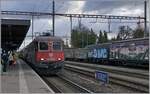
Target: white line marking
{"type": "Point", "coordinates": [22, 81]}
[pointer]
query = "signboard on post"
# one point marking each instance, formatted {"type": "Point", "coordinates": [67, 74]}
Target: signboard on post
{"type": "Point", "coordinates": [102, 76]}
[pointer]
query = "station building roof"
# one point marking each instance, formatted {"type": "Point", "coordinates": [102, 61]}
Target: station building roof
{"type": "Point", "coordinates": [13, 32]}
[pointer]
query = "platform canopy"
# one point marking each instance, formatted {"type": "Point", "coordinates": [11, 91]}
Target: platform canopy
{"type": "Point", "coordinates": [13, 32]}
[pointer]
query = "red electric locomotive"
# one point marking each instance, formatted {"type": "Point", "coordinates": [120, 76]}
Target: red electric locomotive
{"type": "Point", "coordinates": [45, 54]}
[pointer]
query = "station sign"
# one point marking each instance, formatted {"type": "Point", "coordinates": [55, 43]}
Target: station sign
{"type": "Point", "coordinates": [102, 76]}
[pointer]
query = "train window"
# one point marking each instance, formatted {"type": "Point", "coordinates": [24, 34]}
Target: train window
{"type": "Point", "coordinates": [43, 46]}
{"type": "Point", "coordinates": [56, 45]}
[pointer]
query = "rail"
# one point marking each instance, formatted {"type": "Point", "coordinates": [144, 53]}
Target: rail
{"type": "Point", "coordinates": [138, 84]}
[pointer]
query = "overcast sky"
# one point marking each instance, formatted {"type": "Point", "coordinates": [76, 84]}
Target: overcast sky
{"type": "Point", "coordinates": [62, 27]}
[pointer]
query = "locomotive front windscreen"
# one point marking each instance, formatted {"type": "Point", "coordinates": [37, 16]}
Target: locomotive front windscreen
{"type": "Point", "coordinates": [43, 46]}
{"type": "Point", "coordinates": [56, 45]}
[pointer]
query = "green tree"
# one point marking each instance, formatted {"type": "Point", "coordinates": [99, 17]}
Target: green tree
{"type": "Point", "coordinates": [92, 37]}
{"type": "Point", "coordinates": [74, 34]}
{"type": "Point", "coordinates": [100, 37]}
{"type": "Point", "coordinates": [105, 37]}
{"type": "Point", "coordinates": [82, 36]}
{"type": "Point", "coordinates": [138, 32]}
{"type": "Point", "coordinates": [124, 33]}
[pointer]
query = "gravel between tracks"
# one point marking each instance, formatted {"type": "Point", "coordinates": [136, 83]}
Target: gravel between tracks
{"type": "Point", "coordinates": [94, 85]}
{"type": "Point", "coordinates": [65, 85]}
{"type": "Point", "coordinates": [112, 68]}
{"type": "Point", "coordinates": [140, 85]}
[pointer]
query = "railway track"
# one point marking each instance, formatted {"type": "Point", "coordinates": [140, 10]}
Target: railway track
{"type": "Point", "coordinates": [143, 74]}
{"type": "Point", "coordinates": [138, 83]}
{"type": "Point", "coordinates": [61, 84]}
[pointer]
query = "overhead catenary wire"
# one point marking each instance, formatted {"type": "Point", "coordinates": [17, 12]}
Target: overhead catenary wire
{"type": "Point", "coordinates": [45, 9]}
{"type": "Point", "coordinates": [75, 15]}
{"type": "Point", "coordinates": [72, 15]}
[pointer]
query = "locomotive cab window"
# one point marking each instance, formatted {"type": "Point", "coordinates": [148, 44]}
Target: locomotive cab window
{"type": "Point", "coordinates": [43, 46]}
{"type": "Point", "coordinates": [56, 45]}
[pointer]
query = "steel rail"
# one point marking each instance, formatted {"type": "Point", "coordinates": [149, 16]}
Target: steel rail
{"type": "Point", "coordinates": [114, 80]}
{"type": "Point", "coordinates": [54, 86]}
{"type": "Point", "coordinates": [76, 85]}
{"type": "Point", "coordinates": [113, 70]}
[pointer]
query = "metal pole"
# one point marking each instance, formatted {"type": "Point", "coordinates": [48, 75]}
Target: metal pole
{"type": "Point", "coordinates": [53, 20]}
{"type": "Point", "coordinates": [109, 25]}
{"type": "Point", "coordinates": [145, 19]}
{"type": "Point", "coordinates": [70, 23]}
{"type": "Point", "coordinates": [87, 40]}
{"type": "Point", "coordinates": [32, 27]}
{"type": "Point", "coordinates": [82, 32]}
{"type": "Point", "coordinates": [70, 29]}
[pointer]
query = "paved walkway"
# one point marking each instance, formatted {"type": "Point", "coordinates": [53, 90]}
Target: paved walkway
{"type": "Point", "coordinates": [22, 79]}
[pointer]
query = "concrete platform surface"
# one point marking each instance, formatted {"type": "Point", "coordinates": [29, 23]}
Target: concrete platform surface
{"type": "Point", "coordinates": [22, 79]}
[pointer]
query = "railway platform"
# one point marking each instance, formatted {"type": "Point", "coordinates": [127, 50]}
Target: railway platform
{"type": "Point", "coordinates": [22, 79]}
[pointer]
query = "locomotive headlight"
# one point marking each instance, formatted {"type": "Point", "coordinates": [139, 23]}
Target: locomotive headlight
{"type": "Point", "coordinates": [59, 58]}
{"type": "Point", "coordinates": [42, 59]}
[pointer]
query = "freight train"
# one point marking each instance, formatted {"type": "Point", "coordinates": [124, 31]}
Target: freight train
{"type": "Point", "coordinates": [45, 54]}
{"type": "Point", "coordinates": [125, 52]}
